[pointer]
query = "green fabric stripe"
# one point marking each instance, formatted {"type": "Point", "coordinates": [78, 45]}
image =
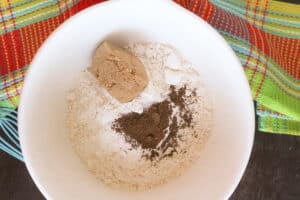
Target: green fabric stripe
{"type": "Point", "coordinates": [283, 77]}
{"type": "Point", "coordinates": [288, 90]}
{"type": "Point", "coordinates": [274, 71]}
{"type": "Point", "coordinates": [282, 31]}
{"type": "Point", "coordinates": [262, 111]}
{"type": "Point", "coordinates": [19, 3]}
{"type": "Point", "coordinates": [277, 25]}
{"type": "Point", "coordinates": [268, 112]}
{"type": "Point", "coordinates": [269, 18]}
{"type": "Point", "coordinates": [33, 6]}
{"type": "Point", "coordinates": [256, 80]}
{"type": "Point", "coordinates": [8, 104]}
{"type": "Point", "coordinates": [260, 69]}
{"type": "Point", "coordinates": [29, 7]}
{"type": "Point", "coordinates": [243, 48]}
{"type": "Point", "coordinates": [37, 16]}
{"type": "Point", "coordinates": [242, 4]}
{"type": "Point", "coordinates": [284, 126]}
{"type": "Point", "coordinates": [274, 98]}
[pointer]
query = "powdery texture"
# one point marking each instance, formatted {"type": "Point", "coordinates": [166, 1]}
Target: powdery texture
{"type": "Point", "coordinates": [121, 73]}
{"type": "Point", "coordinates": [91, 111]}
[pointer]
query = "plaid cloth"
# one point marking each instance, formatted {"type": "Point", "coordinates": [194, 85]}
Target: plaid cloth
{"type": "Point", "coordinates": [265, 34]}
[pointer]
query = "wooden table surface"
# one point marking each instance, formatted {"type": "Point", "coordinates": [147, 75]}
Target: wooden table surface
{"type": "Point", "coordinates": [273, 173]}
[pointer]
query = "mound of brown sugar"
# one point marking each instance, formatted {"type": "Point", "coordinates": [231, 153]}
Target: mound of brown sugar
{"type": "Point", "coordinates": [158, 123]}
{"type": "Point", "coordinates": [120, 72]}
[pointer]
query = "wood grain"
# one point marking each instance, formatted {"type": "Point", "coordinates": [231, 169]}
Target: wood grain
{"type": "Point", "coordinates": [273, 172]}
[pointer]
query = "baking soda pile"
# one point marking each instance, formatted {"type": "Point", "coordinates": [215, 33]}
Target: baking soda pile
{"type": "Point", "coordinates": [124, 164]}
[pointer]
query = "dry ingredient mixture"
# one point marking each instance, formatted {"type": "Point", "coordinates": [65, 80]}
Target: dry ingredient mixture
{"type": "Point", "coordinates": [153, 138]}
{"type": "Point", "coordinates": [156, 127]}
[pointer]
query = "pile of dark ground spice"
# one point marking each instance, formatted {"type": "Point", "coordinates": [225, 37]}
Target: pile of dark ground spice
{"type": "Point", "coordinates": [156, 124]}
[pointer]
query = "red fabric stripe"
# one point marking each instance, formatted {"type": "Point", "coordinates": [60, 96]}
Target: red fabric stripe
{"type": "Point", "coordinates": [285, 52]}
{"type": "Point", "coordinates": [30, 40]}
{"type": "Point", "coordinates": [5, 61]}
{"type": "Point", "coordinates": [207, 12]}
{"type": "Point", "coordinates": [83, 4]}
{"type": "Point", "coordinates": [19, 49]}
{"type": "Point", "coordinates": [14, 46]}
{"type": "Point", "coordinates": [3, 64]}
{"type": "Point", "coordinates": [73, 9]}
{"type": "Point", "coordinates": [216, 20]}
{"type": "Point", "coordinates": [10, 64]}
{"type": "Point", "coordinates": [196, 6]}
{"type": "Point", "coordinates": [3, 53]}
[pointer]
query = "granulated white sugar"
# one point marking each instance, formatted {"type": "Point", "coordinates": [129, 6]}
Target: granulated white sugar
{"type": "Point", "coordinates": [106, 153]}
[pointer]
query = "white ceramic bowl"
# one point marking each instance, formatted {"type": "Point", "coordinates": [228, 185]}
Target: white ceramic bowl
{"type": "Point", "coordinates": [53, 165]}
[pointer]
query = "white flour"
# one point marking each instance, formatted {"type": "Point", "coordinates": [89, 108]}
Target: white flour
{"type": "Point", "coordinates": [91, 111]}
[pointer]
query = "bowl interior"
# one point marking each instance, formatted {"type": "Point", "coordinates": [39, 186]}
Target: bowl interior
{"type": "Point", "coordinates": [55, 168]}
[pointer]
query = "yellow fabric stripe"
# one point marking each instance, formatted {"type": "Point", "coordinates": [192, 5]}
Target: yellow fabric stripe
{"type": "Point", "coordinates": [284, 7]}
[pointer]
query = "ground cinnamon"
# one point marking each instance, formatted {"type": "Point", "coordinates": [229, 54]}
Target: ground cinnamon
{"type": "Point", "coordinates": [157, 124]}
